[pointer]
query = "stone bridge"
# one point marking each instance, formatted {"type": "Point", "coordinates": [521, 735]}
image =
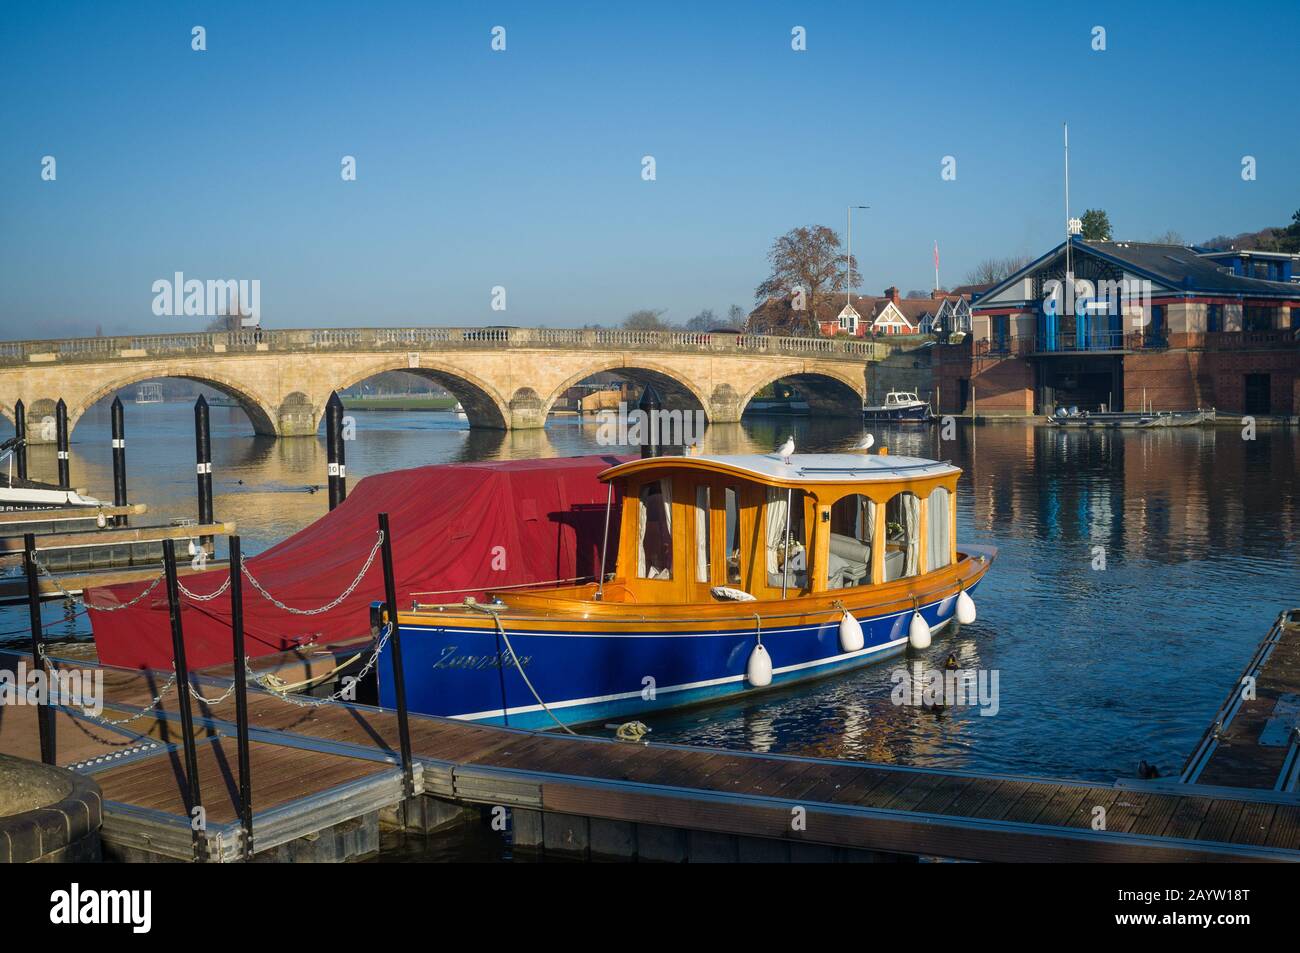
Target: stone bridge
{"type": "Point", "coordinates": [505, 378]}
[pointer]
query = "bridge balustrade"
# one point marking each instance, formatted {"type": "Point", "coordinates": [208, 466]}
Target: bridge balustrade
{"type": "Point", "coordinates": [363, 339]}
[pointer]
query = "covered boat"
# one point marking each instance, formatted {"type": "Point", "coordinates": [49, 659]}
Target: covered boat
{"type": "Point", "coordinates": [458, 529]}
{"type": "Point", "coordinates": [733, 574]}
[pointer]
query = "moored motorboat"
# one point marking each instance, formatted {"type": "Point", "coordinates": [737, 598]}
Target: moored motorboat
{"type": "Point", "coordinates": [732, 574]}
{"type": "Point", "coordinates": [901, 407]}
{"type": "Point", "coordinates": [19, 493]}
{"type": "Point", "coordinates": [1122, 420]}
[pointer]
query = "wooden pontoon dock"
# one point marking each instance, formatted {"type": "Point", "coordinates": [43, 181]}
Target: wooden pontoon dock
{"type": "Point", "coordinates": [323, 775]}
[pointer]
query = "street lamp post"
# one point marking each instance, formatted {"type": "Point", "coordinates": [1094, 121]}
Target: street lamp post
{"type": "Point", "coordinates": [848, 294]}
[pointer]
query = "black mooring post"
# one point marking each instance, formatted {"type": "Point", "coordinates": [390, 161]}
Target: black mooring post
{"type": "Point", "coordinates": [333, 444]}
{"type": "Point", "coordinates": [61, 441]}
{"type": "Point", "coordinates": [341, 450]}
{"type": "Point", "coordinates": [119, 460]}
{"type": "Point", "coordinates": [44, 714]}
{"type": "Point", "coordinates": [650, 405]}
{"type": "Point", "coordinates": [241, 695]}
{"type": "Point", "coordinates": [20, 431]}
{"type": "Point", "coordinates": [203, 456]}
{"type": "Point", "coordinates": [197, 834]}
{"type": "Point", "coordinates": [395, 647]}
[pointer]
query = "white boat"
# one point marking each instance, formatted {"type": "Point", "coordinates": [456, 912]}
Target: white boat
{"type": "Point", "coordinates": [17, 493]}
{"type": "Point", "coordinates": [899, 406]}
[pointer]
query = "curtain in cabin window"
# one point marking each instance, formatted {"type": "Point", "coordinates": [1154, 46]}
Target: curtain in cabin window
{"type": "Point", "coordinates": [776, 509]}
{"type": "Point", "coordinates": [911, 523]}
{"type": "Point", "coordinates": [938, 542]}
{"type": "Point", "coordinates": [701, 534]}
{"type": "Point", "coordinates": [654, 552]}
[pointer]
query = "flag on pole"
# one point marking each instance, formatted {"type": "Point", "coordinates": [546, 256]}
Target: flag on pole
{"type": "Point", "coordinates": [936, 254]}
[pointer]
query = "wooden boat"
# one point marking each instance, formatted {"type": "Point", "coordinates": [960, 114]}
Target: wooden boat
{"type": "Point", "coordinates": [733, 574]}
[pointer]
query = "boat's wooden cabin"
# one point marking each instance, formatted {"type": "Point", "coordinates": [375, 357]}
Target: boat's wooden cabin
{"type": "Point", "coordinates": [822, 523]}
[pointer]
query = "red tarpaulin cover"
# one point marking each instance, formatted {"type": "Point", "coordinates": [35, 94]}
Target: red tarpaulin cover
{"type": "Point", "coordinates": [460, 526]}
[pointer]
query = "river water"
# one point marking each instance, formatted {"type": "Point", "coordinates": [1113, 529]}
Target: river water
{"type": "Point", "coordinates": [1136, 572]}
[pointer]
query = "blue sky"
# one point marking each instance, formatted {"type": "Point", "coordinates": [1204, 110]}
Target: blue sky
{"type": "Point", "coordinates": [523, 168]}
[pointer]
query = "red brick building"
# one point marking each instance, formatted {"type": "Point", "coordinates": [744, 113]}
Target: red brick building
{"type": "Point", "coordinates": [1168, 325]}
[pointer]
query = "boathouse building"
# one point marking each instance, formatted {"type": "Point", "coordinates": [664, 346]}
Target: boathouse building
{"type": "Point", "coordinates": [1174, 326]}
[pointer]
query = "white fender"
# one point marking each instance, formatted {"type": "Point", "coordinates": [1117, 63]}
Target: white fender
{"type": "Point", "coordinates": [851, 639]}
{"type": "Point", "coordinates": [918, 632]}
{"type": "Point", "coordinates": [965, 609]}
{"type": "Point", "coordinates": [759, 669]}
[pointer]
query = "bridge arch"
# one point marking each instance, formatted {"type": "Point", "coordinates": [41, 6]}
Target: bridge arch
{"type": "Point", "coordinates": [677, 392]}
{"type": "Point", "coordinates": [483, 406]}
{"type": "Point", "coordinates": [828, 392]}
{"type": "Point", "coordinates": [261, 413]}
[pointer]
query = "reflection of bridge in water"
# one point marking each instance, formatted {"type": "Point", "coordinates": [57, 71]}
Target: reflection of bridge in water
{"type": "Point", "coordinates": [506, 378]}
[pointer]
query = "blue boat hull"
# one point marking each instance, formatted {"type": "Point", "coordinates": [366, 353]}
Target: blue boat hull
{"type": "Point", "coordinates": [589, 676]}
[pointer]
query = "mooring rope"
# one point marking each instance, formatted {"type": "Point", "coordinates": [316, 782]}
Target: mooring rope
{"type": "Point", "coordinates": [518, 665]}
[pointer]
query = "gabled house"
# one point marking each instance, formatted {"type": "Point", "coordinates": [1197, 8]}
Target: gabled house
{"type": "Point", "coordinates": [859, 316]}
{"type": "Point", "coordinates": [1143, 325]}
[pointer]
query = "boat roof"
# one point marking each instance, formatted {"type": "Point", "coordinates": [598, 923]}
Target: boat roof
{"type": "Point", "coordinates": [803, 469]}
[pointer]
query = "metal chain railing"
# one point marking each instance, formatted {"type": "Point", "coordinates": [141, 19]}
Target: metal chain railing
{"type": "Point", "coordinates": [209, 597]}
{"type": "Point", "coordinates": [309, 701]}
{"type": "Point", "coordinates": [69, 595]}
{"type": "Point", "coordinates": [379, 541]}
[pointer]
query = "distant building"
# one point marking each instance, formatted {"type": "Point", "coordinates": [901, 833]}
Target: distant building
{"type": "Point", "coordinates": [1172, 326]}
{"type": "Point", "coordinates": [865, 315]}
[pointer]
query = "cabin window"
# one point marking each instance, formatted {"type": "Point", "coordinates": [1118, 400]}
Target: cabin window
{"type": "Point", "coordinates": [731, 500]}
{"type": "Point", "coordinates": [787, 557]}
{"type": "Point", "coordinates": [938, 530]}
{"type": "Point", "coordinates": [702, 534]}
{"type": "Point", "coordinates": [902, 523]}
{"type": "Point", "coordinates": [853, 524]}
{"type": "Point", "coordinates": [655, 531]}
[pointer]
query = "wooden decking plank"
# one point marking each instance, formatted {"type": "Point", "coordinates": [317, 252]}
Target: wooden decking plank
{"type": "Point", "coordinates": [1062, 805]}
{"type": "Point", "coordinates": [1254, 823]}
{"type": "Point", "coordinates": [1187, 817]}
{"type": "Point", "coordinates": [887, 789]}
{"type": "Point", "coordinates": [997, 804]}
{"type": "Point", "coordinates": [864, 781]}
{"type": "Point", "coordinates": [1031, 803]}
{"type": "Point", "coordinates": [1156, 814]}
{"type": "Point", "coordinates": [1220, 820]}
{"type": "Point", "coordinates": [907, 798]}
{"type": "Point", "coordinates": [1285, 832]}
{"type": "Point", "coordinates": [971, 797]}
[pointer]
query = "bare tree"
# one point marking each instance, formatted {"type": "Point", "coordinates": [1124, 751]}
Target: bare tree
{"type": "Point", "coordinates": [702, 321]}
{"type": "Point", "coordinates": [992, 270]}
{"type": "Point", "coordinates": [736, 317]}
{"type": "Point", "coordinates": [646, 320]}
{"type": "Point", "coordinates": [1169, 237]}
{"type": "Point", "coordinates": [808, 266]}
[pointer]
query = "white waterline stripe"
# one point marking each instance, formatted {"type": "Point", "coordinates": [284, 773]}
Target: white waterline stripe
{"type": "Point", "coordinates": [687, 686]}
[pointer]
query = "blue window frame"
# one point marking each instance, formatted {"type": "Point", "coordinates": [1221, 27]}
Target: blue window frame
{"type": "Point", "coordinates": [1214, 318]}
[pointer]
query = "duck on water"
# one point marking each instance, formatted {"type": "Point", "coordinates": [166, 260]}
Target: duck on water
{"type": "Point", "coordinates": [732, 574]}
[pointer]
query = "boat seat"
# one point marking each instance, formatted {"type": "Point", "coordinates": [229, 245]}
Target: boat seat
{"type": "Point", "coordinates": [849, 563]}
{"type": "Point", "coordinates": [895, 564]}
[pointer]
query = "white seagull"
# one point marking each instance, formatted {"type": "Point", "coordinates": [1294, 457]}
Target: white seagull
{"type": "Point", "coordinates": [786, 450]}
{"type": "Point", "coordinates": [867, 442]}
